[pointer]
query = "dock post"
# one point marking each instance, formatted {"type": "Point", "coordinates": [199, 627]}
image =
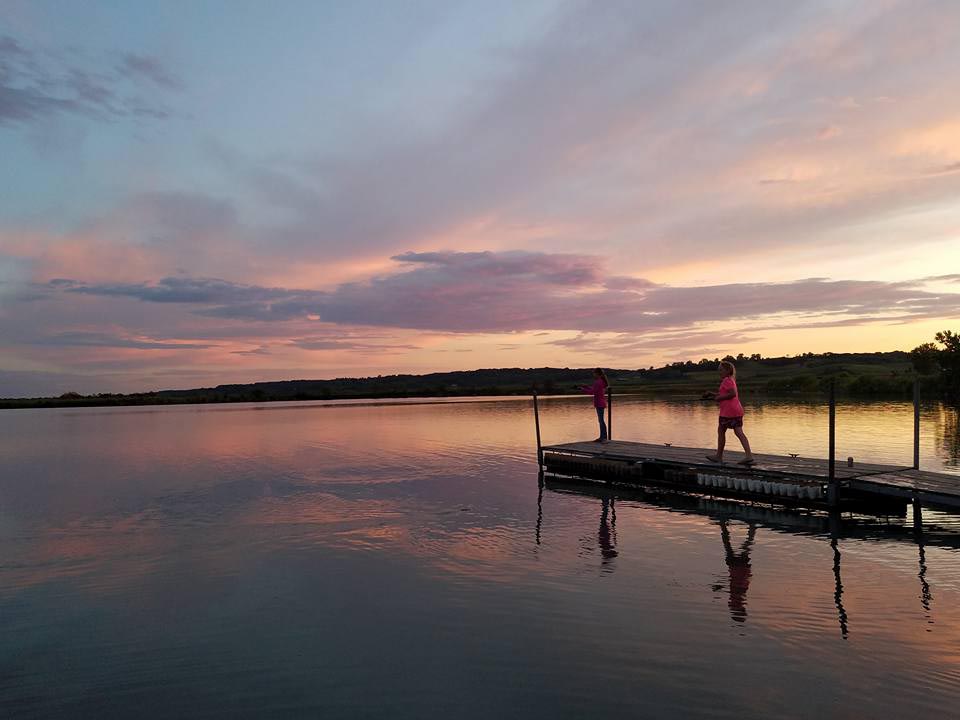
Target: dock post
{"type": "Point", "coordinates": [536, 422]}
{"type": "Point", "coordinates": [833, 496]}
{"type": "Point", "coordinates": [609, 414]}
{"type": "Point", "coordinates": [916, 424]}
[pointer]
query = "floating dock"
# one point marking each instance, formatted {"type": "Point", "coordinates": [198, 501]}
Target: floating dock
{"type": "Point", "coordinates": [792, 481]}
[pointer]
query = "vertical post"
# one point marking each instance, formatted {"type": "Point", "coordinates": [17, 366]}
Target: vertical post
{"type": "Point", "coordinates": [832, 462]}
{"type": "Point", "coordinates": [609, 414]}
{"type": "Point", "coordinates": [916, 424]}
{"type": "Point", "coordinates": [536, 422]}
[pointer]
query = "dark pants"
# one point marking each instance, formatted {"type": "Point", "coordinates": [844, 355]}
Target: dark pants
{"type": "Point", "coordinates": [603, 425]}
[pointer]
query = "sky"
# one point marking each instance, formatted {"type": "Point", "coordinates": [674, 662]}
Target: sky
{"type": "Point", "coordinates": [210, 192]}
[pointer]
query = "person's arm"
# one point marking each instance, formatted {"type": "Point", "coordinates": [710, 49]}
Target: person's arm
{"type": "Point", "coordinates": [726, 392]}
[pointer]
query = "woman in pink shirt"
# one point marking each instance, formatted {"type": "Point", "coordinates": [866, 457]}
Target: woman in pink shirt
{"type": "Point", "coordinates": [599, 392]}
{"type": "Point", "coordinates": [731, 413]}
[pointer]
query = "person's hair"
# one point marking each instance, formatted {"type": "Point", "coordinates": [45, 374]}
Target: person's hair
{"type": "Point", "coordinates": [729, 367]}
{"type": "Point", "coordinates": [603, 376]}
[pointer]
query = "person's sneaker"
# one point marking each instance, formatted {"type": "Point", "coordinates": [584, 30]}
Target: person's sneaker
{"type": "Point", "coordinates": [747, 461]}
{"type": "Point", "coordinates": [713, 458]}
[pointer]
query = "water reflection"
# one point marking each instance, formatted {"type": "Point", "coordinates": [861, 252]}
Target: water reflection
{"type": "Point", "coordinates": [739, 524]}
{"type": "Point", "coordinates": [838, 589]}
{"type": "Point", "coordinates": [313, 561]}
{"type": "Point", "coordinates": [607, 534]}
{"type": "Point", "coordinates": [539, 525]}
{"type": "Point", "coordinates": [926, 596]}
{"type": "Point", "coordinates": [738, 567]}
{"type": "Point", "coordinates": [948, 433]}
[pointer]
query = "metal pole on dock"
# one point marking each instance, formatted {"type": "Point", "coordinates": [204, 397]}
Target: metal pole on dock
{"type": "Point", "coordinates": [916, 424]}
{"type": "Point", "coordinates": [832, 462]}
{"type": "Point", "coordinates": [609, 414]}
{"type": "Point", "coordinates": [536, 422]}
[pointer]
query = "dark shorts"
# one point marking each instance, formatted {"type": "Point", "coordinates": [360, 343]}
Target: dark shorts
{"type": "Point", "coordinates": [731, 423]}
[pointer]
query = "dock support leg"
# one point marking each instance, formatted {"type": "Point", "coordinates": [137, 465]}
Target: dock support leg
{"type": "Point", "coordinates": [609, 414]}
{"type": "Point", "coordinates": [917, 514]}
{"type": "Point", "coordinates": [536, 422]}
{"type": "Point", "coordinates": [916, 424]}
{"type": "Point", "coordinates": [833, 492]}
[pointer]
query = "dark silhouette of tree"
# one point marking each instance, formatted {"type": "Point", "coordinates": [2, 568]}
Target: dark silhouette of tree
{"type": "Point", "coordinates": [950, 363]}
{"type": "Point", "coordinates": [944, 361]}
{"type": "Point", "coordinates": [925, 358]}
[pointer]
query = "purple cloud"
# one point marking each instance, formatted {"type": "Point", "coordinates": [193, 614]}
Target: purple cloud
{"type": "Point", "coordinates": [631, 344]}
{"type": "Point", "coordinates": [182, 290]}
{"type": "Point", "coordinates": [504, 292]}
{"type": "Point", "coordinates": [328, 343]}
{"type": "Point", "coordinates": [151, 68]}
{"type": "Point", "coordinates": [25, 104]}
{"type": "Point", "coordinates": [95, 339]}
{"type": "Point", "coordinates": [34, 87]}
{"type": "Point", "coordinates": [555, 269]}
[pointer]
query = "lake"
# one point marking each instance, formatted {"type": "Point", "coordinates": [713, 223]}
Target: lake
{"type": "Point", "coordinates": [401, 560]}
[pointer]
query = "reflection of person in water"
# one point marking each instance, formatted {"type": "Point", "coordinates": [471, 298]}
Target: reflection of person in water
{"type": "Point", "coordinates": [738, 565]}
{"type": "Point", "coordinates": [607, 534]}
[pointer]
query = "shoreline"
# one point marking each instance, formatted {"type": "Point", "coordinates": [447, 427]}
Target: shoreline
{"type": "Point", "coordinates": [669, 391]}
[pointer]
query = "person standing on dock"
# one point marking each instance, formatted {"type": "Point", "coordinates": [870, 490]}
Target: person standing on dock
{"type": "Point", "coordinates": [731, 413]}
{"type": "Point", "coordinates": [599, 392]}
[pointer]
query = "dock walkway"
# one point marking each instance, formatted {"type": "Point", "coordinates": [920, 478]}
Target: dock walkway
{"type": "Point", "coordinates": [668, 465]}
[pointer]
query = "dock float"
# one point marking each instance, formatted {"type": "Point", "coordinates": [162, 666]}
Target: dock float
{"type": "Point", "coordinates": [792, 481]}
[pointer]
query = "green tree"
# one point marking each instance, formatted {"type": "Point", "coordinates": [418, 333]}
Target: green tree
{"type": "Point", "coordinates": [928, 358]}
{"type": "Point", "coordinates": [950, 341]}
{"type": "Point", "coordinates": [925, 358]}
{"type": "Point", "coordinates": [950, 363]}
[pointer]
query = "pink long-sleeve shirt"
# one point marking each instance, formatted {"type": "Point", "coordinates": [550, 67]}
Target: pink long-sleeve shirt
{"type": "Point", "coordinates": [599, 392]}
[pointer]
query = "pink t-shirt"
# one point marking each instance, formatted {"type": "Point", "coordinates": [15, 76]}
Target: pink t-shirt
{"type": "Point", "coordinates": [732, 406]}
{"type": "Point", "coordinates": [599, 392]}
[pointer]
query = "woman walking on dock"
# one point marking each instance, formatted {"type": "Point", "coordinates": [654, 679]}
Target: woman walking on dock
{"type": "Point", "coordinates": [731, 413]}
{"type": "Point", "coordinates": [599, 392]}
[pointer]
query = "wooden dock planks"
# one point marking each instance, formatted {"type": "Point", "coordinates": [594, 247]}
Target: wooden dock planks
{"type": "Point", "coordinates": [870, 478]}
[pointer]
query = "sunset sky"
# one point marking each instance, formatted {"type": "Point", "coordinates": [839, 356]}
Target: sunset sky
{"type": "Point", "coordinates": [197, 193]}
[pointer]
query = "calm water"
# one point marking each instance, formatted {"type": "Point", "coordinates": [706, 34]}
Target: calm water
{"type": "Point", "coordinates": [400, 561]}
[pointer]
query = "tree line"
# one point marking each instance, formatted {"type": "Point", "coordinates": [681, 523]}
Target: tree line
{"type": "Point", "coordinates": [936, 364]}
{"type": "Point", "coordinates": [940, 360]}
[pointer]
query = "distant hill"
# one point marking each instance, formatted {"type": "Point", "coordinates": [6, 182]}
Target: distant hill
{"type": "Point", "coordinates": [868, 374]}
